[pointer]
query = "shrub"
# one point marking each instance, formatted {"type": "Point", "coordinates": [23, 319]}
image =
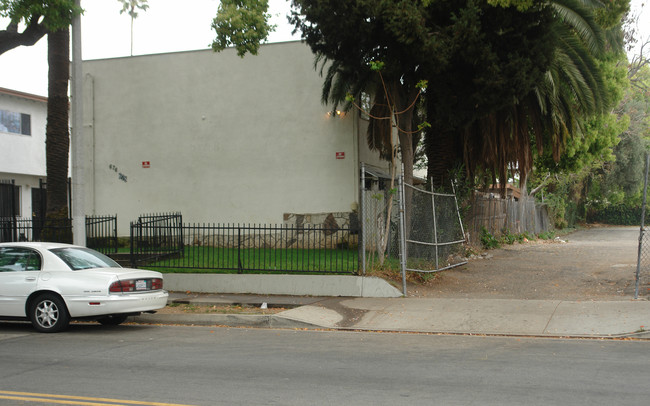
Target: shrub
{"type": "Point", "coordinates": [488, 240]}
{"type": "Point", "coordinates": [619, 214]}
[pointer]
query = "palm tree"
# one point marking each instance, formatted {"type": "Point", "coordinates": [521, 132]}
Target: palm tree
{"type": "Point", "coordinates": [129, 7]}
{"type": "Point", "coordinates": [572, 89]}
{"type": "Point", "coordinates": [43, 18]}
{"type": "Point", "coordinates": [57, 133]}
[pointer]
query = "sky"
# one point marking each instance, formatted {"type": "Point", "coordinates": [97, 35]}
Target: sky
{"type": "Point", "coordinates": [164, 27]}
{"type": "Point", "coordinates": [105, 33]}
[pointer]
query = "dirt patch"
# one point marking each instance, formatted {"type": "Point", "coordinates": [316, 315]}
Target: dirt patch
{"type": "Point", "coordinates": [217, 309]}
{"type": "Point", "coordinates": [598, 263]}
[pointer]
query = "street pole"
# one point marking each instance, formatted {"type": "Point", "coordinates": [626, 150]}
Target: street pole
{"type": "Point", "coordinates": [642, 231]}
{"type": "Point", "coordinates": [78, 200]}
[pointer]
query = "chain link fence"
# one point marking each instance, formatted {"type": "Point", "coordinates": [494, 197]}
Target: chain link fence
{"type": "Point", "coordinates": [642, 276]}
{"type": "Point", "coordinates": [433, 231]}
{"type": "Point", "coordinates": [424, 235]}
{"type": "Point", "coordinates": [379, 210]}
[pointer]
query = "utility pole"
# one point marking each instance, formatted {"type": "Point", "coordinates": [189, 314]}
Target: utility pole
{"type": "Point", "coordinates": [78, 159]}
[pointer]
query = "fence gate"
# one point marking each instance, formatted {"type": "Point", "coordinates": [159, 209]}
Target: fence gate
{"type": "Point", "coordinates": [432, 230]}
{"type": "Point", "coordinates": [642, 276]}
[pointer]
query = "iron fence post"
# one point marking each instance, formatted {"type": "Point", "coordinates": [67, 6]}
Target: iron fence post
{"type": "Point", "coordinates": [239, 266]}
{"type": "Point", "coordinates": [115, 240]}
{"type": "Point", "coordinates": [131, 253]}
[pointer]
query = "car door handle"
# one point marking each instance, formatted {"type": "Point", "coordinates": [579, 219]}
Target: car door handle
{"type": "Point", "coordinates": [30, 278]}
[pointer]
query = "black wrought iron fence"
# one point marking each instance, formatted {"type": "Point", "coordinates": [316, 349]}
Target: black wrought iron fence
{"type": "Point", "coordinates": [14, 229]}
{"type": "Point", "coordinates": [155, 237]}
{"type": "Point", "coordinates": [251, 248]}
{"type": "Point", "coordinates": [101, 233]}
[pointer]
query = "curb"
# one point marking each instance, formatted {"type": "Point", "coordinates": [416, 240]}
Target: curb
{"type": "Point", "coordinates": [227, 320]}
{"type": "Point", "coordinates": [274, 321]}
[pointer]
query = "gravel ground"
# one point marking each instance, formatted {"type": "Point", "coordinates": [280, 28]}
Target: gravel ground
{"type": "Point", "coordinates": [596, 263]}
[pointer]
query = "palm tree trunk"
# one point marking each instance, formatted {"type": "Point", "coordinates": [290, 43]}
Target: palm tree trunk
{"type": "Point", "coordinates": [57, 131]}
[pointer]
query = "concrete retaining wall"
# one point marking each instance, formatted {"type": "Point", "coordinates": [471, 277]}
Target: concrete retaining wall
{"type": "Point", "coordinates": [296, 285]}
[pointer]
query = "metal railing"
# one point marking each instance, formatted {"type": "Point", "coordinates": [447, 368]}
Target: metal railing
{"type": "Point", "coordinates": [14, 229]}
{"type": "Point", "coordinates": [249, 248]}
{"type": "Point", "coordinates": [156, 236]}
{"type": "Point", "coordinates": [101, 233]}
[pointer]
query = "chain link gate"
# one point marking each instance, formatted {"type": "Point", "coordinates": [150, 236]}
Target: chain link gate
{"type": "Point", "coordinates": [642, 276]}
{"type": "Point", "coordinates": [425, 239]}
{"type": "Point", "coordinates": [432, 232]}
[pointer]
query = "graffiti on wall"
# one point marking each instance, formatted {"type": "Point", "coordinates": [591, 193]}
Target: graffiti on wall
{"type": "Point", "coordinates": [120, 175]}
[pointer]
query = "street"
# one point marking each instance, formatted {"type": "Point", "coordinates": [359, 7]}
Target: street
{"type": "Point", "coordinates": [222, 366]}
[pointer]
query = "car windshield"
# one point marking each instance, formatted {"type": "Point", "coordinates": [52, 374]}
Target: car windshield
{"type": "Point", "coordinates": [83, 258]}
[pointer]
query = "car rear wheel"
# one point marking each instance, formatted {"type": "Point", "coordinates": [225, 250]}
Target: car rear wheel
{"type": "Point", "coordinates": [113, 319]}
{"type": "Point", "coordinates": [48, 314]}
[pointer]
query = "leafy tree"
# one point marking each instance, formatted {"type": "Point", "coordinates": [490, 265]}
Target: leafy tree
{"type": "Point", "coordinates": [604, 164]}
{"type": "Point", "coordinates": [242, 23]}
{"type": "Point", "coordinates": [497, 55]}
{"type": "Point", "coordinates": [570, 88]}
{"type": "Point", "coordinates": [53, 18]}
{"type": "Point", "coordinates": [507, 77]}
{"type": "Point", "coordinates": [350, 39]}
{"type": "Point", "coordinates": [622, 177]}
{"type": "Point", "coordinates": [39, 17]}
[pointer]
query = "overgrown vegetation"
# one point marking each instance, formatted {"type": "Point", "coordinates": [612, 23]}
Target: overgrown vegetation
{"type": "Point", "coordinates": [489, 241]}
{"type": "Point", "coordinates": [600, 179]}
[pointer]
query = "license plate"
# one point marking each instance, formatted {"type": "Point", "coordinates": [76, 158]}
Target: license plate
{"type": "Point", "coordinates": [141, 284]}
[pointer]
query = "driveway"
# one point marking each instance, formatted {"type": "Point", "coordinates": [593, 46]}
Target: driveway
{"type": "Point", "coordinates": [597, 263]}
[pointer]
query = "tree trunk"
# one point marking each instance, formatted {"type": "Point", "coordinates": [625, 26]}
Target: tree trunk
{"type": "Point", "coordinates": [440, 150]}
{"type": "Point", "coordinates": [399, 101]}
{"type": "Point", "coordinates": [10, 38]}
{"type": "Point", "coordinates": [403, 99]}
{"type": "Point", "coordinates": [523, 201]}
{"type": "Point", "coordinates": [57, 132]}
{"type": "Point", "coordinates": [407, 151]}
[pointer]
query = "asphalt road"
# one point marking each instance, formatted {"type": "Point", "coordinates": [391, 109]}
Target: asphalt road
{"type": "Point", "coordinates": [229, 366]}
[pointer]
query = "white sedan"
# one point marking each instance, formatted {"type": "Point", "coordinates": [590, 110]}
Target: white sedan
{"type": "Point", "coordinates": [51, 283]}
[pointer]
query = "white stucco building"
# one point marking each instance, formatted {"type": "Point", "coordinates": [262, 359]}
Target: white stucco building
{"type": "Point", "coordinates": [23, 119]}
{"type": "Point", "coordinates": [219, 138]}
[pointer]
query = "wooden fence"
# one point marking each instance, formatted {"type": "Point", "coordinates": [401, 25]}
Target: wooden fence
{"type": "Point", "coordinates": [499, 215]}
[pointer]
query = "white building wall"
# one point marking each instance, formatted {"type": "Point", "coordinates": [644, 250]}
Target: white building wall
{"type": "Point", "coordinates": [22, 157]}
{"type": "Point", "coordinates": [227, 139]}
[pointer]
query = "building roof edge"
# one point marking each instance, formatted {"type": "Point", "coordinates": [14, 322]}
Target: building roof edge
{"type": "Point", "coordinates": [23, 95]}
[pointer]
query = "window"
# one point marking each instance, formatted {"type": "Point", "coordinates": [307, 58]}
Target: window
{"type": "Point", "coordinates": [16, 123]}
{"type": "Point", "coordinates": [84, 258]}
{"type": "Point", "coordinates": [15, 259]}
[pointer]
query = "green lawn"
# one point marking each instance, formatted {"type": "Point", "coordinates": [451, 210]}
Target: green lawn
{"type": "Point", "coordinates": [197, 259]}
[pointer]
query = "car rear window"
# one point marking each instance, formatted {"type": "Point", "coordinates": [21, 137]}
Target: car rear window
{"type": "Point", "coordinates": [84, 258]}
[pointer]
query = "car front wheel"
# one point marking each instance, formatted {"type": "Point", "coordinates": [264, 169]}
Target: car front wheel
{"type": "Point", "coordinates": [48, 314]}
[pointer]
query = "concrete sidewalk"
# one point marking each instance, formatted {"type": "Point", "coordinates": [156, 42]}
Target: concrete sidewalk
{"type": "Point", "coordinates": [545, 318]}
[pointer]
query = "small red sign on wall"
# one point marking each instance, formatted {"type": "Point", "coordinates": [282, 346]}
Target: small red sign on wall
{"type": "Point", "coordinates": [146, 164]}
{"type": "Point", "coordinates": [340, 155]}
